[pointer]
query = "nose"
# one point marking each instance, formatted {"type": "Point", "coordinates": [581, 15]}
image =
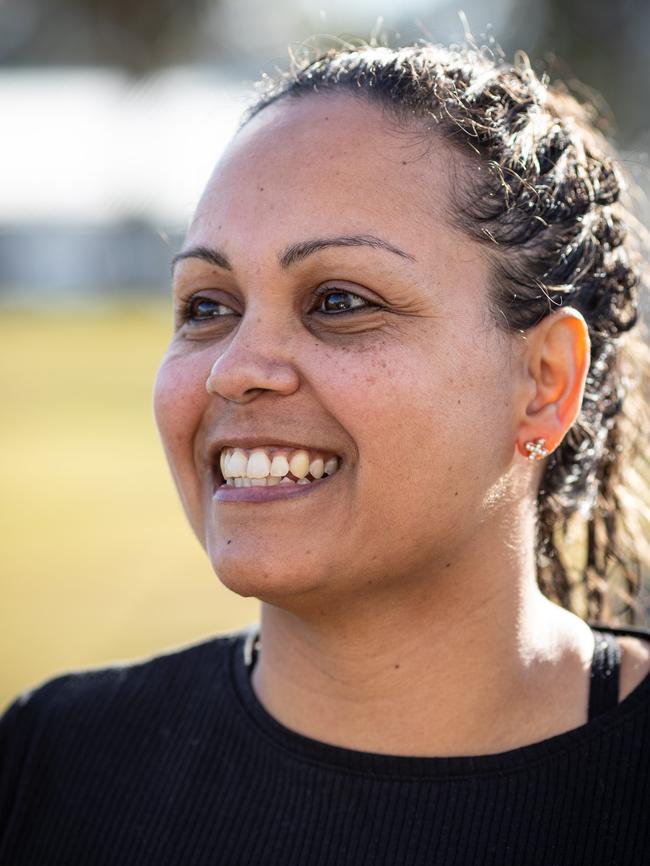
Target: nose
{"type": "Point", "coordinates": [256, 360]}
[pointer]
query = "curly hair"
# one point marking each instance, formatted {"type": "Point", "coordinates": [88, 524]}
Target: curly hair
{"type": "Point", "coordinates": [542, 190]}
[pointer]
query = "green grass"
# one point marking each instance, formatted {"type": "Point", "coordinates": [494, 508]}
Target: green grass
{"type": "Point", "coordinates": [97, 561]}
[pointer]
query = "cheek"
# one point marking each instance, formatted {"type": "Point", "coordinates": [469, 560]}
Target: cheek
{"type": "Point", "coordinates": [179, 401]}
{"type": "Point", "coordinates": [179, 397]}
{"type": "Point", "coordinates": [396, 398]}
{"type": "Point", "coordinates": [429, 424]}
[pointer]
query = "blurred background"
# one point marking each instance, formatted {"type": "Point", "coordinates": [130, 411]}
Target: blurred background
{"type": "Point", "coordinates": [112, 115]}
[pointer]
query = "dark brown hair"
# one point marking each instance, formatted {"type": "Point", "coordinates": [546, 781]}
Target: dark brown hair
{"type": "Point", "coordinates": [547, 205]}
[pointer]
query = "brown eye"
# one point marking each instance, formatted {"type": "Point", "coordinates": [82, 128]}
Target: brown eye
{"type": "Point", "coordinates": [202, 309]}
{"type": "Point", "coordinates": [341, 301]}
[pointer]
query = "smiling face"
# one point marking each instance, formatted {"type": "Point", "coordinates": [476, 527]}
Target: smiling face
{"type": "Point", "coordinates": [323, 300]}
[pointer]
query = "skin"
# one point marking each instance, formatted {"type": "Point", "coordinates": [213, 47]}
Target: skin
{"type": "Point", "coordinates": [400, 612]}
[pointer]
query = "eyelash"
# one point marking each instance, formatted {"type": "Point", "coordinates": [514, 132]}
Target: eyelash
{"type": "Point", "coordinates": [188, 307]}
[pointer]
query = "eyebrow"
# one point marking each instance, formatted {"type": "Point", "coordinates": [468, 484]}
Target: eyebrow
{"type": "Point", "coordinates": [208, 254]}
{"type": "Point", "coordinates": [299, 251]}
{"type": "Point", "coordinates": [295, 252]}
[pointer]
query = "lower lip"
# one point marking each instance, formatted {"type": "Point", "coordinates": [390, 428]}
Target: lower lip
{"type": "Point", "coordinates": [224, 493]}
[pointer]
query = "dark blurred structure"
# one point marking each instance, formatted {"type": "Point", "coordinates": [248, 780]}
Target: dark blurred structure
{"type": "Point", "coordinates": [134, 36]}
{"type": "Point", "coordinates": [127, 256]}
{"type": "Point", "coordinates": [597, 42]}
{"type": "Point", "coordinates": [605, 45]}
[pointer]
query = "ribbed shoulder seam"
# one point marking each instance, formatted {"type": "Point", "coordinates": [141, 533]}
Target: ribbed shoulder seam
{"type": "Point", "coordinates": [57, 691]}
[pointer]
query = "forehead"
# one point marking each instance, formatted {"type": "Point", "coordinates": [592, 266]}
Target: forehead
{"type": "Point", "coordinates": [328, 163]}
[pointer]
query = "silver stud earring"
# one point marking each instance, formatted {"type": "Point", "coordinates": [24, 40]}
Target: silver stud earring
{"type": "Point", "coordinates": [536, 449]}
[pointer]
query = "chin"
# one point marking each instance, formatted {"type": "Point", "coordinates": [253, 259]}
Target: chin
{"type": "Point", "coordinates": [250, 576]}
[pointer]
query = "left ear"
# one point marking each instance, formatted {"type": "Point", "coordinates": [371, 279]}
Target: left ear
{"type": "Point", "coordinates": [557, 364]}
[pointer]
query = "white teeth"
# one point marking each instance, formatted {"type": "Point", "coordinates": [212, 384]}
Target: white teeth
{"type": "Point", "coordinates": [299, 464]}
{"type": "Point", "coordinates": [316, 467]}
{"type": "Point", "coordinates": [287, 481]}
{"type": "Point", "coordinates": [239, 465]}
{"type": "Point", "coordinates": [303, 481]}
{"type": "Point", "coordinates": [259, 465]}
{"type": "Point", "coordinates": [279, 466]}
{"type": "Point", "coordinates": [236, 464]}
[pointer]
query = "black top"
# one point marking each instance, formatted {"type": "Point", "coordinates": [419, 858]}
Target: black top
{"type": "Point", "coordinates": [175, 761]}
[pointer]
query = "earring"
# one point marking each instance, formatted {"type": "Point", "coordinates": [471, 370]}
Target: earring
{"type": "Point", "coordinates": [536, 449]}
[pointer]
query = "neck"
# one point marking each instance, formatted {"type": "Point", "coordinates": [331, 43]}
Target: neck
{"type": "Point", "coordinates": [470, 660]}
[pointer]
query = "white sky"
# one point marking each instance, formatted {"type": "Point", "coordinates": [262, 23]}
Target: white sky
{"type": "Point", "coordinates": [365, 10]}
{"type": "Point", "coordinates": [85, 145]}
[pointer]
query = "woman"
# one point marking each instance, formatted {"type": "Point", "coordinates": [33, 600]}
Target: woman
{"type": "Point", "coordinates": [398, 369]}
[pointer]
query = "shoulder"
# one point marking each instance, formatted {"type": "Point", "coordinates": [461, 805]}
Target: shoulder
{"type": "Point", "coordinates": [99, 735]}
{"type": "Point", "coordinates": [97, 702]}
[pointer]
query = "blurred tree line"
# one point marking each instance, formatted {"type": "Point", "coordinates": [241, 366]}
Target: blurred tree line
{"type": "Point", "coordinates": [601, 42]}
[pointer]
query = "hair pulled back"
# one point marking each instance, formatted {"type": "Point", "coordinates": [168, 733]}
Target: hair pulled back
{"type": "Point", "coordinates": [539, 187]}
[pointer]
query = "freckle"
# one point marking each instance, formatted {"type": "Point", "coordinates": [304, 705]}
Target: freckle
{"type": "Point", "coordinates": [308, 551]}
{"type": "Point", "coordinates": [261, 189]}
{"type": "Point", "coordinates": [459, 402]}
{"type": "Point", "coordinates": [455, 493]}
{"type": "Point", "coordinates": [403, 162]}
{"type": "Point", "coordinates": [396, 667]}
{"type": "Point", "coordinates": [228, 540]}
{"type": "Point", "coordinates": [447, 564]}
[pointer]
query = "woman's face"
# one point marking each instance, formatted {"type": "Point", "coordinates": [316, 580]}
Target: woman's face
{"type": "Point", "coordinates": [324, 301]}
